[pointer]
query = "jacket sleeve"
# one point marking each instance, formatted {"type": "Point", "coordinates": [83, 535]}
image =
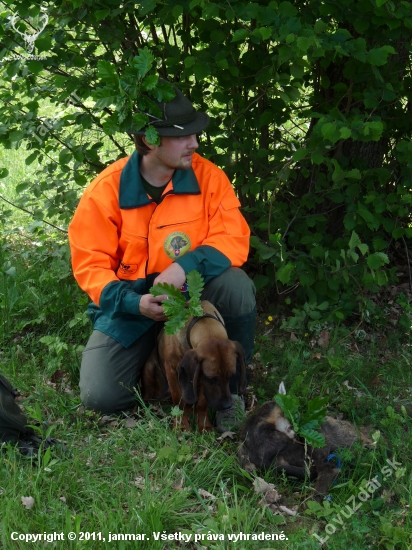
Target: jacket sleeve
{"type": "Point", "coordinates": [227, 241]}
{"type": "Point", "coordinates": [93, 237]}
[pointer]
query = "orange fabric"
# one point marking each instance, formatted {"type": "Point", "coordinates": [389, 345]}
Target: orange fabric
{"type": "Point", "coordinates": [109, 244]}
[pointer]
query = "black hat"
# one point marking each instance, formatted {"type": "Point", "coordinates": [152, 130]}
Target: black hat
{"type": "Point", "coordinates": [179, 118]}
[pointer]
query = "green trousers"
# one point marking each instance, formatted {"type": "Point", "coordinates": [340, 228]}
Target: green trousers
{"type": "Point", "coordinates": [110, 373]}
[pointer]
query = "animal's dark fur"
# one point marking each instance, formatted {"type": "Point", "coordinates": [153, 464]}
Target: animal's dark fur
{"type": "Point", "coordinates": [195, 376]}
{"type": "Point", "coordinates": [264, 446]}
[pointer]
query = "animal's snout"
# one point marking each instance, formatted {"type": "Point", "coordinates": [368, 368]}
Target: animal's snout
{"type": "Point", "coordinates": [226, 405]}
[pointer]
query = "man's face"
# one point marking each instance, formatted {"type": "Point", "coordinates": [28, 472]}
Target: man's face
{"type": "Point", "coordinates": [176, 152]}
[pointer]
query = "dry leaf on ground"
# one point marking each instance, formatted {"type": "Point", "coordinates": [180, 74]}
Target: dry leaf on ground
{"type": "Point", "coordinates": [130, 423]}
{"type": "Point", "coordinates": [352, 388]}
{"type": "Point", "coordinates": [58, 376]}
{"type": "Point", "coordinates": [28, 502]}
{"type": "Point", "coordinates": [376, 381]}
{"type": "Point", "coordinates": [179, 485]}
{"type": "Point", "coordinates": [60, 381]}
{"type": "Point", "coordinates": [205, 494]}
{"type": "Point", "coordinates": [104, 420]}
{"type": "Point", "coordinates": [272, 496]}
{"type": "Point", "coordinates": [261, 486]}
{"type": "Point", "coordinates": [225, 435]}
{"type": "Point", "coordinates": [155, 409]}
{"type": "Point", "coordinates": [112, 425]}
{"type": "Point", "coordinates": [387, 495]}
{"type": "Point", "coordinates": [289, 511]}
{"type": "Point", "coordinates": [283, 510]}
{"type": "Point", "coordinates": [139, 482]}
{"type": "Point", "coordinates": [324, 339]}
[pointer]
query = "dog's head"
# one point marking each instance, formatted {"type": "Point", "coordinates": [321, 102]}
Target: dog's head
{"type": "Point", "coordinates": [211, 366]}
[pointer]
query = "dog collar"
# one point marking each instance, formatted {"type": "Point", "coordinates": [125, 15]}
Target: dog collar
{"type": "Point", "coordinates": [195, 320]}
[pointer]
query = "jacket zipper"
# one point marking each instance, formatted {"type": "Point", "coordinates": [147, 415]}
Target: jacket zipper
{"type": "Point", "coordinates": [177, 223]}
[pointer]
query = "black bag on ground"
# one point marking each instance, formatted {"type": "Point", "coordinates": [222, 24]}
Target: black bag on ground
{"type": "Point", "coordinates": [13, 422]}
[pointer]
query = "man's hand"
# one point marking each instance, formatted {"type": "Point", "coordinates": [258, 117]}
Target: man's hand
{"type": "Point", "coordinates": [150, 306]}
{"type": "Point", "coordinates": [173, 275]}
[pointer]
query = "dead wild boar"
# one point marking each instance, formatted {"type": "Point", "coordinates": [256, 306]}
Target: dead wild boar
{"type": "Point", "coordinates": [268, 440]}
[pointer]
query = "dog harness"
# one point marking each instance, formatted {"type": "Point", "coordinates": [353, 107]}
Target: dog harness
{"type": "Point", "coordinates": [195, 320]}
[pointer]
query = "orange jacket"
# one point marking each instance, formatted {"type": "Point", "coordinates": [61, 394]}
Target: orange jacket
{"type": "Point", "coordinates": [121, 239]}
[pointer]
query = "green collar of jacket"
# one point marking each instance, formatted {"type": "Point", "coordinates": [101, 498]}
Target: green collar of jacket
{"type": "Point", "coordinates": [132, 193]}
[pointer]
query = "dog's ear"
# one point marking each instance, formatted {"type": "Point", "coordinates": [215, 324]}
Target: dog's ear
{"type": "Point", "coordinates": [188, 375]}
{"type": "Point", "coordinates": [241, 361]}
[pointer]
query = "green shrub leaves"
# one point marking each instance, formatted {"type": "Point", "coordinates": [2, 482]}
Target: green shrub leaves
{"type": "Point", "coordinates": [309, 111]}
{"type": "Point", "coordinates": [175, 306]}
{"type": "Point", "coordinates": [306, 423]}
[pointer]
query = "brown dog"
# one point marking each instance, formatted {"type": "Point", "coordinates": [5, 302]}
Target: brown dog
{"type": "Point", "coordinates": [196, 364]}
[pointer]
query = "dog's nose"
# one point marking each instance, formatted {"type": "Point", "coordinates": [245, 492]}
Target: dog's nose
{"type": "Point", "coordinates": [226, 405]}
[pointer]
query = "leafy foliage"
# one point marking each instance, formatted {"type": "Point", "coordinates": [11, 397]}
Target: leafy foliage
{"type": "Point", "coordinates": [305, 424]}
{"type": "Point", "coordinates": [140, 458]}
{"type": "Point", "coordinates": [175, 306]}
{"type": "Point", "coordinates": [310, 118]}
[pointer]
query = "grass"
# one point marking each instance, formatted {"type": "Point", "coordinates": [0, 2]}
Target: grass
{"type": "Point", "coordinates": [149, 479]}
{"type": "Point", "coordinates": [133, 474]}
{"type": "Point", "coordinates": [13, 161]}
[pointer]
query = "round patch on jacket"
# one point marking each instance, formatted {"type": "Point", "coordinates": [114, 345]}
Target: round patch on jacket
{"type": "Point", "coordinates": [177, 244]}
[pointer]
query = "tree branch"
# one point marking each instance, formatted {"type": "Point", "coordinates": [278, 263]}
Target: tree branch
{"type": "Point", "coordinates": [32, 215]}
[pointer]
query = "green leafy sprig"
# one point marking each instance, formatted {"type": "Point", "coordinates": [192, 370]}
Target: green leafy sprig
{"type": "Point", "coordinates": [175, 306]}
{"type": "Point", "coordinates": [305, 424]}
{"type": "Point", "coordinates": [132, 94]}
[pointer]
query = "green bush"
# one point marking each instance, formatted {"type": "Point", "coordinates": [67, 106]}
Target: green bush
{"type": "Point", "coordinates": [311, 119]}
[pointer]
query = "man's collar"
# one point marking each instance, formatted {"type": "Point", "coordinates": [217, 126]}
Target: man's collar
{"type": "Point", "coordinates": [132, 193]}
